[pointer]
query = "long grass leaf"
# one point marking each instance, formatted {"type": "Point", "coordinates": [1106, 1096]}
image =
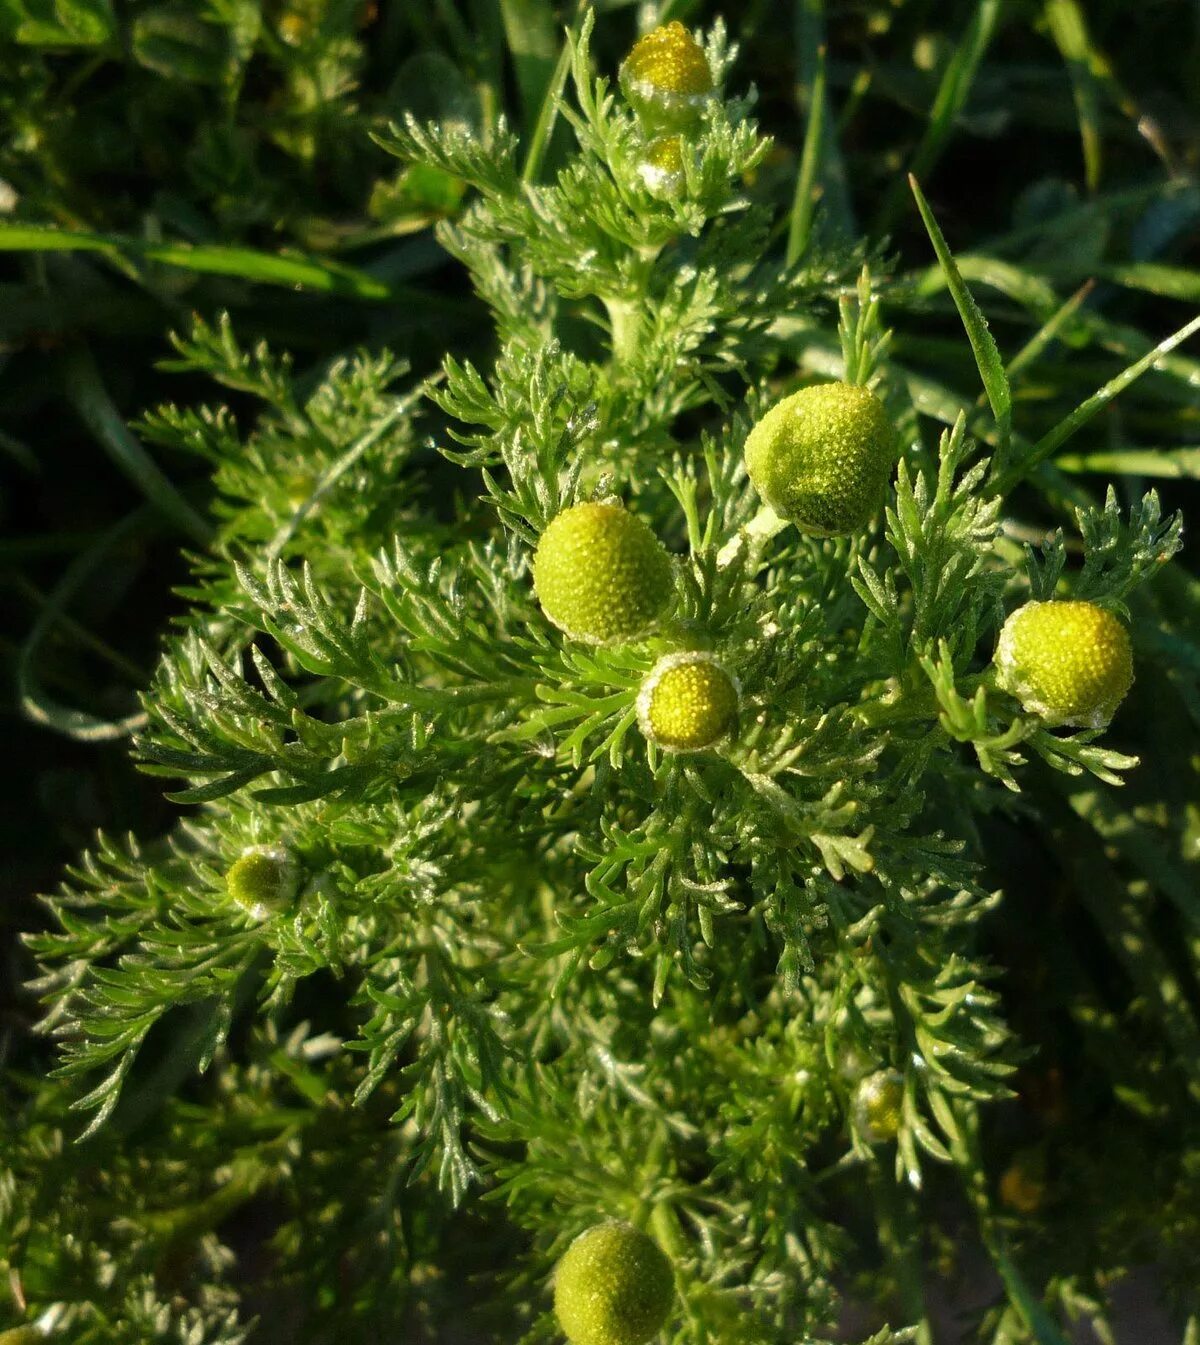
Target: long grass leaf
{"type": "Point", "coordinates": [949, 101]}
{"type": "Point", "coordinates": [1176, 463]}
{"type": "Point", "coordinates": [531, 33]}
{"type": "Point", "coordinates": [35, 702]}
{"type": "Point", "coordinates": [983, 344]}
{"type": "Point", "coordinates": [1078, 418]}
{"type": "Point", "coordinates": [832, 180]}
{"type": "Point", "coordinates": [1068, 27]}
{"type": "Point", "coordinates": [804, 201]}
{"type": "Point", "coordinates": [266, 268]}
{"type": "Point", "coordinates": [543, 128]}
{"type": "Point", "coordinates": [95, 408]}
{"type": "Point", "coordinates": [1171, 282]}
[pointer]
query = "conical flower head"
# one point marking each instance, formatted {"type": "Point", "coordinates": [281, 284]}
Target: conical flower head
{"type": "Point", "coordinates": [666, 78]}
{"type": "Point", "coordinates": [661, 166]}
{"type": "Point", "coordinates": [879, 1106]}
{"type": "Point", "coordinates": [601, 575]}
{"type": "Point", "coordinates": [263, 880]}
{"type": "Point", "coordinates": [821, 457]}
{"type": "Point", "coordinates": [1070, 663]}
{"type": "Point", "coordinates": [688, 702]}
{"type": "Point", "coordinates": [613, 1286]}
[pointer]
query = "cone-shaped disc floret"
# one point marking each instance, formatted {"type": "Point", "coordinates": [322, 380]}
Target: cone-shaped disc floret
{"type": "Point", "coordinates": [688, 702]}
{"type": "Point", "coordinates": [821, 457]}
{"type": "Point", "coordinates": [666, 78]}
{"type": "Point", "coordinates": [601, 575]}
{"type": "Point", "coordinates": [1070, 663]}
{"type": "Point", "coordinates": [613, 1286]}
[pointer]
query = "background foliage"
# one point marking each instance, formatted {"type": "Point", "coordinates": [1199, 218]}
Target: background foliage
{"type": "Point", "coordinates": [177, 158]}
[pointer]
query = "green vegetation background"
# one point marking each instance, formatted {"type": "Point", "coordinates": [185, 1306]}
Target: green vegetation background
{"type": "Point", "coordinates": [159, 159]}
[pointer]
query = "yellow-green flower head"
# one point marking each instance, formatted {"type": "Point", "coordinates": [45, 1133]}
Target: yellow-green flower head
{"type": "Point", "coordinates": [1022, 1186]}
{"type": "Point", "coordinates": [1068, 662]}
{"type": "Point", "coordinates": [613, 1286]}
{"type": "Point", "coordinates": [879, 1105]}
{"type": "Point", "coordinates": [661, 166]}
{"type": "Point", "coordinates": [666, 78]}
{"type": "Point", "coordinates": [821, 457]}
{"type": "Point", "coordinates": [601, 575]}
{"type": "Point", "coordinates": [22, 1335]}
{"type": "Point", "coordinates": [688, 702]}
{"type": "Point", "coordinates": [264, 880]}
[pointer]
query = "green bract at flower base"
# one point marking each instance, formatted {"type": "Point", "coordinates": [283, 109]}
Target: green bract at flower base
{"type": "Point", "coordinates": [821, 457]}
{"type": "Point", "coordinates": [601, 575]}
{"type": "Point", "coordinates": [688, 702]}
{"type": "Point", "coordinates": [666, 78]}
{"type": "Point", "coordinates": [1070, 663]}
{"type": "Point", "coordinates": [613, 1286]}
{"type": "Point", "coordinates": [264, 880]}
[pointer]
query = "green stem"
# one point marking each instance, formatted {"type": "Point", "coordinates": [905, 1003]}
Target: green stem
{"type": "Point", "coordinates": [898, 1238]}
{"type": "Point", "coordinates": [622, 317]}
{"type": "Point", "coordinates": [755, 535]}
{"type": "Point", "coordinates": [918, 704]}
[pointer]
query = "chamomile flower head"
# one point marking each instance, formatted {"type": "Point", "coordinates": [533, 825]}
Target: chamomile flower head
{"type": "Point", "coordinates": [821, 457]}
{"type": "Point", "coordinates": [879, 1105]}
{"type": "Point", "coordinates": [264, 880]}
{"type": "Point", "coordinates": [666, 78]}
{"type": "Point", "coordinates": [1070, 663]}
{"type": "Point", "coordinates": [688, 702]}
{"type": "Point", "coordinates": [613, 1286]}
{"type": "Point", "coordinates": [661, 166]}
{"type": "Point", "coordinates": [601, 575]}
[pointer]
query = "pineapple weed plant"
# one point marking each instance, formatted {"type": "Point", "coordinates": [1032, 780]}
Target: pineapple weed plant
{"type": "Point", "coordinates": [578, 922]}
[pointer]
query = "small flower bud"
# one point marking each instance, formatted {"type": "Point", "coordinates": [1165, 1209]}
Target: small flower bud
{"type": "Point", "coordinates": [1022, 1186]}
{"type": "Point", "coordinates": [666, 78]}
{"type": "Point", "coordinates": [601, 575]}
{"type": "Point", "coordinates": [1071, 663]}
{"type": "Point", "coordinates": [264, 880]}
{"type": "Point", "coordinates": [661, 166]}
{"type": "Point", "coordinates": [688, 702]}
{"type": "Point", "coordinates": [821, 457]}
{"type": "Point", "coordinates": [613, 1286]}
{"type": "Point", "coordinates": [879, 1106]}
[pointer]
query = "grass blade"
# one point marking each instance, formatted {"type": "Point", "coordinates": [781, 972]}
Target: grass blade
{"type": "Point", "coordinates": [948, 103]}
{"type": "Point", "coordinates": [543, 128]}
{"type": "Point", "coordinates": [804, 202]}
{"type": "Point", "coordinates": [266, 268]}
{"type": "Point", "coordinates": [1176, 463]}
{"type": "Point", "coordinates": [95, 408]}
{"type": "Point", "coordinates": [1069, 30]}
{"type": "Point", "coordinates": [810, 42]}
{"type": "Point", "coordinates": [983, 344]}
{"type": "Point", "coordinates": [1049, 330]}
{"type": "Point", "coordinates": [531, 34]}
{"type": "Point", "coordinates": [1171, 282]}
{"type": "Point", "coordinates": [36, 704]}
{"type": "Point", "coordinates": [1099, 399]}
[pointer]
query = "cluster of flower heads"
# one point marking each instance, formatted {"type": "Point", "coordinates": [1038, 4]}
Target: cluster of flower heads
{"type": "Point", "coordinates": [667, 81]}
{"type": "Point", "coordinates": [820, 459]}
